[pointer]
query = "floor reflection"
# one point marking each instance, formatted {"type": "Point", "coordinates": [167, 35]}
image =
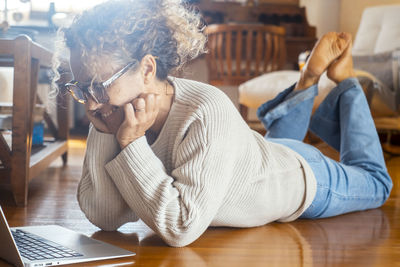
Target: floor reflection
{"type": "Point", "coordinates": [341, 240]}
{"type": "Point", "coordinates": [369, 238]}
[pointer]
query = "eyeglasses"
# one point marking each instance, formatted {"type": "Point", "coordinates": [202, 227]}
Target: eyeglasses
{"type": "Point", "coordinates": [97, 91]}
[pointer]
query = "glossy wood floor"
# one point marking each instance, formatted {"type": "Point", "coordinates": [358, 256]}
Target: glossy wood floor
{"type": "Point", "coordinates": [370, 238]}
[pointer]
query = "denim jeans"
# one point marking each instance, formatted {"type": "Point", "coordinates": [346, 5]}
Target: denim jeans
{"type": "Point", "coordinates": [360, 180]}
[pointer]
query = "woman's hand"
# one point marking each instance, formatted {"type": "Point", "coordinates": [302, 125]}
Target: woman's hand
{"type": "Point", "coordinates": [109, 124]}
{"type": "Point", "coordinates": [96, 121]}
{"type": "Point", "coordinates": [140, 115]}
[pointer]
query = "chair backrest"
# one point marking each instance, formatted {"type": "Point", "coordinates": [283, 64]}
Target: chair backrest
{"type": "Point", "coordinates": [378, 31]}
{"type": "Point", "coordinates": [239, 52]}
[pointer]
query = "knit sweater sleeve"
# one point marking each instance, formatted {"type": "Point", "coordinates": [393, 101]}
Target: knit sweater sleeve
{"type": "Point", "coordinates": [98, 196]}
{"type": "Point", "coordinates": [181, 205]}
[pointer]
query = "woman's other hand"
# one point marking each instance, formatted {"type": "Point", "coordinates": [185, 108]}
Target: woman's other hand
{"type": "Point", "coordinates": [140, 115]}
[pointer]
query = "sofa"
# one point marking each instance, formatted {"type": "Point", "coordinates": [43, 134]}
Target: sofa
{"type": "Point", "coordinates": [376, 59]}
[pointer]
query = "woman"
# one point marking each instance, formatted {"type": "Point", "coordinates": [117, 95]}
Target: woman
{"type": "Point", "coordinates": [177, 154]}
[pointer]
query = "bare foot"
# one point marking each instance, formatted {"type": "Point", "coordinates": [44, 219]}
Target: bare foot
{"type": "Point", "coordinates": [342, 68]}
{"type": "Point", "coordinates": [327, 49]}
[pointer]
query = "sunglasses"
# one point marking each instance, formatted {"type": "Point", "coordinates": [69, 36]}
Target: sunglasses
{"type": "Point", "coordinates": [97, 91]}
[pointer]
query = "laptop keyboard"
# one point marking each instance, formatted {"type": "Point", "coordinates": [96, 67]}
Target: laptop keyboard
{"type": "Point", "coordinates": [33, 247]}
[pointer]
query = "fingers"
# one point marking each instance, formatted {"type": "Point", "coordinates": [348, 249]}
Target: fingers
{"type": "Point", "coordinates": [129, 112]}
{"type": "Point", "coordinates": [150, 103]}
{"type": "Point", "coordinates": [139, 106]}
{"type": "Point", "coordinates": [146, 103]}
{"type": "Point", "coordinates": [140, 115]}
{"type": "Point", "coordinates": [143, 107]}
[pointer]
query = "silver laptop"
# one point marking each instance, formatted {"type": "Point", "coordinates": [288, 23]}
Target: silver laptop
{"type": "Point", "coordinates": [51, 245]}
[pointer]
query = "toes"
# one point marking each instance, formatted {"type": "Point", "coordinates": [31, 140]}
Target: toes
{"type": "Point", "coordinates": [345, 39]}
{"type": "Point", "coordinates": [340, 44]}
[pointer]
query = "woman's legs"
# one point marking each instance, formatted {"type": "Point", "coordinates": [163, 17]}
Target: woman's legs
{"type": "Point", "coordinates": [360, 181]}
{"type": "Point", "coordinates": [288, 114]}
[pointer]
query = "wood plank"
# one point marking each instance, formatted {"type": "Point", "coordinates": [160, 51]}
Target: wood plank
{"type": "Point", "coordinates": [5, 152]}
{"type": "Point", "coordinates": [6, 47]}
{"type": "Point", "coordinates": [228, 52]}
{"type": "Point", "coordinates": [40, 160]}
{"type": "Point", "coordinates": [27, 57]}
{"type": "Point", "coordinates": [21, 135]}
{"type": "Point", "coordinates": [49, 121]}
{"type": "Point", "coordinates": [43, 54]}
{"type": "Point", "coordinates": [4, 175]}
{"type": "Point", "coordinates": [6, 63]}
{"type": "Point", "coordinates": [368, 238]}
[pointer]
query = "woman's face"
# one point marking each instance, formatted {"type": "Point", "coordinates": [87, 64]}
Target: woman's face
{"type": "Point", "coordinates": [123, 90]}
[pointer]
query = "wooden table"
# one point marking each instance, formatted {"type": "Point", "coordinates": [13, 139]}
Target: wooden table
{"type": "Point", "coordinates": [19, 162]}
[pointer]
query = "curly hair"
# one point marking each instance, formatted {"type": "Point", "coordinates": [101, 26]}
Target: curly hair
{"type": "Point", "coordinates": [127, 30]}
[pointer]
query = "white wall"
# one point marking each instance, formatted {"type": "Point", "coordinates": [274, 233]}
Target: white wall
{"type": "Point", "coordinates": [324, 14]}
{"type": "Point", "coordinates": [351, 11]}
{"type": "Point", "coordinates": [338, 15]}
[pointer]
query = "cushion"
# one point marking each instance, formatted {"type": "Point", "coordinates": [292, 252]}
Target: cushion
{"type": "Point", "coordinates": [257, 91]}
{"type": "Point", "coordinates": [378, 31]}
{"type": "Point", "coordinates": [389, 36]}
{"type": "Point", "coordinates": [368, 30]}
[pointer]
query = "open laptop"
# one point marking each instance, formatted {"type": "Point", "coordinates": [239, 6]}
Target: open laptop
{"type": "Point", "coordinates": [51, 245]}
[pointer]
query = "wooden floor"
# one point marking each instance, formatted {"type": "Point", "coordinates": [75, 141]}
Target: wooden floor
{"type": "Point", "coordinates": [370, 238]}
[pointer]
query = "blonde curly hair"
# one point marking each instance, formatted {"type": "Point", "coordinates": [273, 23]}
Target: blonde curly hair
{"type": "Point", "coordinates": [127, 30]}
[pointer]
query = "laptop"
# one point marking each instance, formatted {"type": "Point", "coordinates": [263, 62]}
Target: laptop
{"type": "Point", "coordinates": [50, 245]}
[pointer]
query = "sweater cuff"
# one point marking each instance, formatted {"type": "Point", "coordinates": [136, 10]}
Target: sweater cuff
{"type": "Point", "coordinates": [137, 160]}
{"type": "Point", "coordinates": [97, 134]}
{"type": "Point", "coordinates": [104, 146]}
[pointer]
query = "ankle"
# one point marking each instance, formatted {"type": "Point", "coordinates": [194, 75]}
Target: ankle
{"type": "Point", "coordinates": [342, 76]}
{"type": "Point", "coordinates": [306, 80]}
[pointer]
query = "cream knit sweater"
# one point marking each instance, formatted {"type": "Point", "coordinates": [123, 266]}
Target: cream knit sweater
{"type": "Point", "coordinates": [206, 168]}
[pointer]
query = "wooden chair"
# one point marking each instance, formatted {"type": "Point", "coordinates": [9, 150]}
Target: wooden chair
{"type": "Point", "coordinates": [19, 162]}
{"type": "Point", "coordinates": [240, 52]}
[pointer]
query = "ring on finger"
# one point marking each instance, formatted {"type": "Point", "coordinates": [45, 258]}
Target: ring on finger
{"type": "Point", "coordinates": [140, 109]}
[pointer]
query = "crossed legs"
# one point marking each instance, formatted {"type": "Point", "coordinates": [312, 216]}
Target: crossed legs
{"type": "Point", "coordinates": [343, 120]}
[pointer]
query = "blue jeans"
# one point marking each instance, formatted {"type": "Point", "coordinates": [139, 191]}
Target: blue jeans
{"type": "Point", "coordinates": [360, 180]}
